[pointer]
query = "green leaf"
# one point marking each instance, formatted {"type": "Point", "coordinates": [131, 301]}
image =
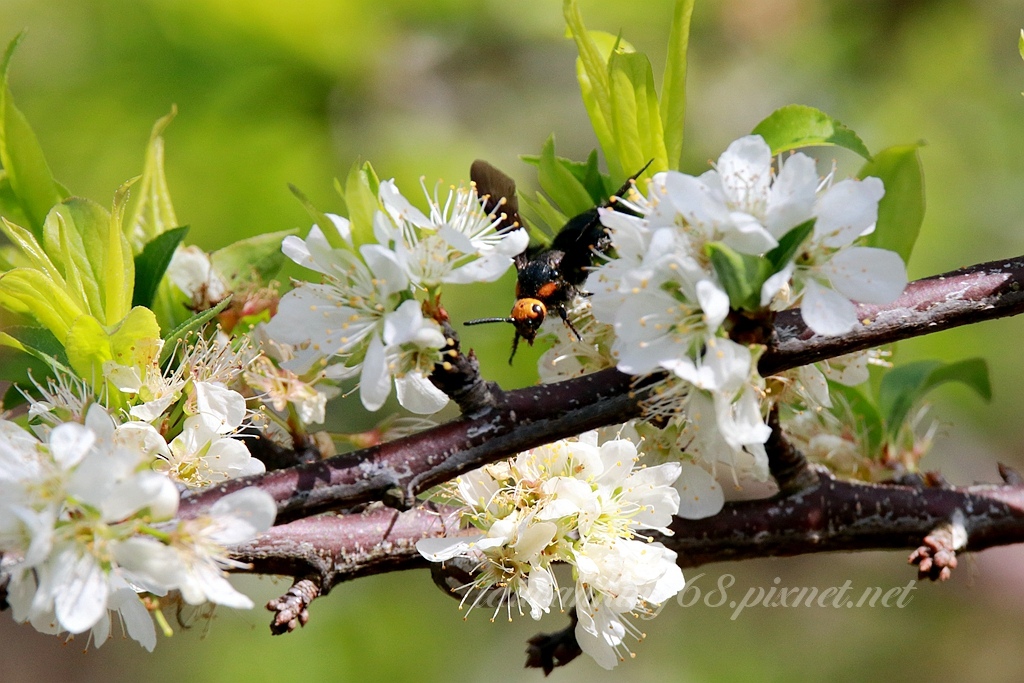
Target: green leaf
{"type": "Point", "coordinates": [253, 260]}
{"type": "Point", "coordinates": [797, 125]}
{"type": "Point", "coordinates": [568, 193]}
{"type": "Point", "coordinates": [361, 187]}
{"type": "Point", "coordinates": [868, 419]}
{"type": "Point", "coordinates": [740, 274]}
{"type": "Point", "coordinates": [673, 83]}
{"type": "Point", "coordinates": [320, 218]}
{"type": "Point", "coordinates": [23, 364]}
{"type": "Point", "coordinates": [29, 291]}
{"type": "Point", "coordinates": [152, 213]}
{"type": "Point", "coordinates": [544, 219]}
{"type": "Point", "coordinates": [1020, 44]}
{"type": "Point", "coordinates": [592, 74]}
{"type": "Point", "coordinates": [119, 282]}
{"type": "Point", "coordinates": [136, 341]}
{"type": "Point", "coordinates": [972, 373]}
{"type": "Point", "coordinates": [10, 205]}
{"type": "Point", "coordinates": [94, 255]}
{"type": "Point", "coordinates": [22, 157]}
{"type": "Point", "coordinates": [788, 246]}
{"type": "Point", "coordinates": [88, 347]}
{"type": "Point", "coordinates": [34, 254]}
{"type": "Point", "coordinates": [36, 339]}
{"type": "Point", "coordinates": [152, 262]}
{"type": "Point", "coordinates": [191, 325]}
{"type": "Point", "coordinates": [636, 117]}
{"type": "Point", "coordinates": [73, 235]}
{"type": "Point", "coordinates": [13, 398]}
{"type": "Point", "coordinates": [904, 386]}
{"type": "Point", "coordinates": [901, 211]}
{"type": "Point", "coordinates": [597, 184]}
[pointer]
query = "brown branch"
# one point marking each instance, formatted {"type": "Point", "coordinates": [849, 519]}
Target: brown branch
{"type": "Point", "coordinates": [526, 418]}
{"type": "Point", "coordinates": [962, 297]}
{"type": "Point", "coordinates": [808, 516]}
{"type": "Point", "coordinates": [787, 465]}
{"type": "Point", "coordinates": [833, 515]}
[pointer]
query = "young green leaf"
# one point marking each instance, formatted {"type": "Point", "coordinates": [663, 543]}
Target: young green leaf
{"type": "Point", "coordinates": [120, 277]}
{"type": "Point", "coordinates": [797, 125]}
{"type": "Point", "coordinates": [636, 118]}
{"type": "Point", "coordinates": [31, 292]}
{"type": "Point", "coordinates": [901, 211]}
{"type": "Point", "coordinates": [597, 184]}
{"type": "Point", "coordinates": [37, 341]}
{"type": "Point", "coordinates": [592, 74]}
{"type": "Point", "coordinates": [152, 262]}
{"type": "Point", "coordinates": [740, 274]}
{"type": "Point", "coordinates": [74, 235]}
{"type": "Point", "coordinates": [254, 260]}
{"type": "Point", "coordinates": [903, 387]}
{"type": "Point", "coordinates": [788, 246]}
{"type": "Point", "coordinates": [10, 206]}
{"type": "Point", "coordinates": [94, 254]}
{"type": "Point", "coordinates": [136, 341]}
{"type": "Point", "coordinates": [22, 157]}
{"type": "Point", "coordinates": [88, 347]}
{"type": "Point", "coordinates": [866, 416]}
{"type": "Point", "coordinates": [567, 192]}
{"type": "Point", "coordinates": [361, 187]}
{"type": "Point", "coordinates": [152, 212]}
{"type": "Point", "coordinates": [544, 220]}
{"type": "Point", "coordinates": [34, 254]}
{"type": "Point", "coordinates": [320, 218]}
{"type": "Point", "coordinates": [673, 84]}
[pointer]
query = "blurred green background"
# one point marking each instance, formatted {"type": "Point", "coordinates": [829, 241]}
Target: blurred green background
{"type": "Point", "coordinates": [271, 93]}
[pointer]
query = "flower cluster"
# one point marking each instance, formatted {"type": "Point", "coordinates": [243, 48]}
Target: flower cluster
{"type": "Point", "coordinates": [667, 294]}
{"type": "Point", "coordinates": [87, 530]}
{"type": "Point", "coordinates": [185, 418]}
{"type": "Point", "coordinates": [363, 318]}
{"type": "Point", "coordinates": [574, 502]}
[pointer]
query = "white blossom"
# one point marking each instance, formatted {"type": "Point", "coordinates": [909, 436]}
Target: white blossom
{"type": "Point", "coordinates": [457, 243]}
{"type": "Point", "coordinates": [202, 455]}
{"type": "Point", "coordinates": [200, 545]}
{"type": "Point", "coordinates": [192, 271]}
{"type": "Point", "coordinates": [406, 352]}
{"type": "Point", "coordinates": [65, 509]}
{"type": "Point", "coordinates": [574, 501]}
{"type": "Point", "coordinates": [357, 323]}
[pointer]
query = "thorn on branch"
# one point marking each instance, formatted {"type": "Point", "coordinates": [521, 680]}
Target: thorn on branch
{"type": "Point", "coordinates": [548, 650]}
{"type": "Point", "coordinates": [458, 376]}
{"type": "Point", "coordinates": [1010, 475]}
{"type": "Point", "coordinates": [291, 610]}
{"type": "Point", "coordinates": [787, 464]}
{"type": "Point", "coordinates": [936, 559]}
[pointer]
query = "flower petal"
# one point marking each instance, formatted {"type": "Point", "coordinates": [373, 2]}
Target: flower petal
{"type": "Point", "coordinates": [867, 274]}
{"type": "Point", "coordinates": [700, 495]}
{"type": "Point", "coordinates": [826, 312]}
{"type": "Point", "coordinates": [417, 394]}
